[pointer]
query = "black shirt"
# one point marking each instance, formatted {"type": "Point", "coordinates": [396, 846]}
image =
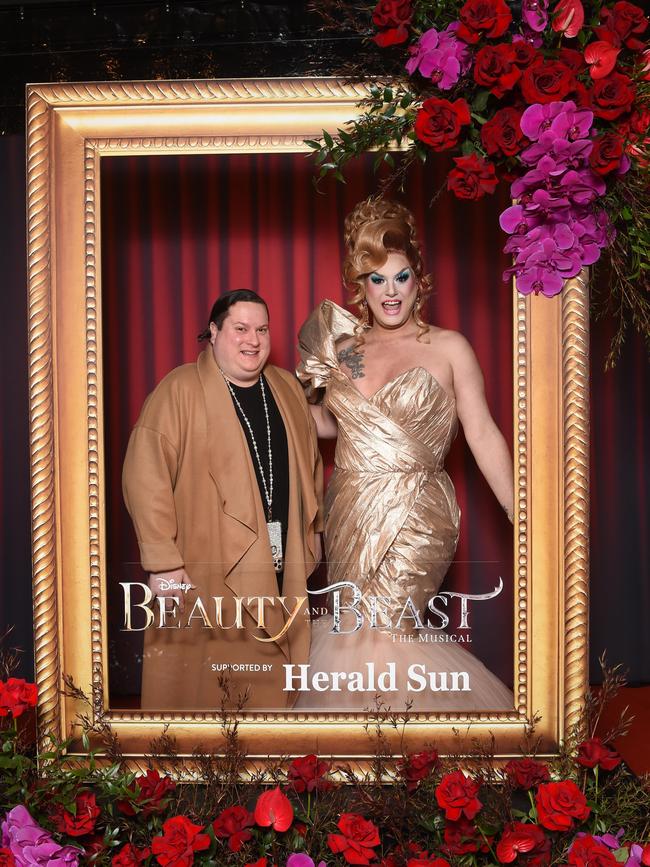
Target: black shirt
{"type": "Point", "coordinates": [250, 399]}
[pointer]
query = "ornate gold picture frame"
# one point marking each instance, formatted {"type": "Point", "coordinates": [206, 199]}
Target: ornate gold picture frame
{"type": "Point", "coordinates": [71, 127]}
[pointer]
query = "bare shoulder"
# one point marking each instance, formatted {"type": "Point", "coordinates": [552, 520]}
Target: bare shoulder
{"type": "Point", "coordinates": [450, 343]}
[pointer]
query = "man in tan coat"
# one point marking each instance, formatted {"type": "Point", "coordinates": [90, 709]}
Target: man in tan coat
{"type": "Point", "coordinates": [207, 506]}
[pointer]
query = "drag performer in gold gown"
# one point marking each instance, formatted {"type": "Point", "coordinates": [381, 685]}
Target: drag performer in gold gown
{"type": "Point", "coordinates": [392, 390]}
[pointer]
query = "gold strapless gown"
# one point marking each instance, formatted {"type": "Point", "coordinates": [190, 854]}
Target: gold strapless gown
{"type": "Point", "coordinates": [391, 528]}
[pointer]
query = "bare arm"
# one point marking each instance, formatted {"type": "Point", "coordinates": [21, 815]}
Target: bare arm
{"type": "Point", "coordinates": [326, 425]}
{"type": "Point", "coordinates": [484, 438]}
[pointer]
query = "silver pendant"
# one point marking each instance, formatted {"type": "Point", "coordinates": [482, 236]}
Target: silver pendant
{"type": "Point", "coordinates": [275, 540]}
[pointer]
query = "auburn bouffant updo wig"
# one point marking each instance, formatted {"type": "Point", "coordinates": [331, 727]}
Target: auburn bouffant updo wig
{"type": "Point", "coordinates": [375, 228]}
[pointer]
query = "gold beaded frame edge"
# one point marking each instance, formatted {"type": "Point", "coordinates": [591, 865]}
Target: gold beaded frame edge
{"type": "Point", "coordinates": [69, 128]}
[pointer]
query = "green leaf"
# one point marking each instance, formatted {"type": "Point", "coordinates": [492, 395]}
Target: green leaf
{"type": "Point", "coordinates": [479, 118]}
{"type": "Point", "coordinates": [312, 144]}
{"type": "Point", "coordinates": [388, 158]}
{"type": "Point", "coordinates": [480, 100]}
{"type": "Point", "coordinates": [388, 94]}
{"type": "Point", "coordinates": [468, 148]}
{"type": "Point", "coordinates": [406, 100]}
{"type": "Point", "coordinates": [390, 111]}
{"type": "Point", "coordinates": [329, 141]}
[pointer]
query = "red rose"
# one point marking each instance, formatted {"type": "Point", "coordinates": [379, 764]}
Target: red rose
{"type": "Point", "coordinates": [558, 804]}
{"type": "Point", "coordinates": [605, 157]}
{"type": "Point", "coordinates": [622, 24]}
{"type": "Point", "coordinates": [472, 178]}
{"type": "Point", "coordinates": [526, 773]}
{"type": "Point", "coordinates": [6, 858]}
{"type": "Point", "coordinates": [462, 837]}
{"type": "Point", "coordinates": [438, 122]}
{"type": "Point", "coordinates": [392, 17]}
{"type": "Point", "coordinates": [608, 150]}
{"type": "Point", "coordinates": [233, 823]}
{"type": "Point", "coordinates": [306, 774]}
{"type": "Point", "coordinates": [357, 839]}
{"type": "Point", "coordinates": [150, 793]}
{"type": "Point", "coordinates": [502, 134]}
{"type": "Point", "coordinates": [456, 794]}
{"type": "Point", "coordinates": [635, 132]}
{"type": "Point", "coordinates": [274, 809]}
{"type": "Point", "coordinates": [524, 53]}
{"type": "Point", "coordinates": [635, 127]}
{"type": "Point", "coordinates": [581, 96]}
{"type": "Point", "coordinates": [496, 69]}
{"type": "Point", "coordinates": [180, 840]}
{"type": "Point", "coordinates": [546, 81]}
{"type": "Point", "coordinates": [491, 17]}
{"type": "Point", "coordinates": [569, 18]}
{"type": "Point", "coordinates": [523, 839]}
{"type": "Point", "coordinates": [572, 58]}
{"type": "Point", "coordinates": [612, 96]}
{"type": "Point", "coordinates": [262, 862]}
{"type": "Point", "coordinates": [16, 695]}
{"type": "Point", "coordinates": [417, 767]}
{"type": "Point", "coordinates": [588, 852]}
{"type": "Point", "coordinates": [129, 856]}
{"type": "Point", "coordinates": [82, 821]}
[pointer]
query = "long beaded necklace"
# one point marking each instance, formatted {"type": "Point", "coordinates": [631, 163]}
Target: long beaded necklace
{"type": "Point", "coordinates": [274, 527]}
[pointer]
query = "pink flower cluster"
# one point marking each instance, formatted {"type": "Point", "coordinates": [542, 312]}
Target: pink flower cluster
{"type": "Point", "coordinates": [440, 56]}
{"type": "Point", "coordinates": [557, 227]}
{"type": "Point", "coordinates": [32, 846]}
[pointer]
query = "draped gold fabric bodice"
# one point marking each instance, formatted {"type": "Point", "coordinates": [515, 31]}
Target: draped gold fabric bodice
{"type": "Point", "coordinates": [392, 518]}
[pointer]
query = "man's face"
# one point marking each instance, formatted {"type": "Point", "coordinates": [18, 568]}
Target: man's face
{"type": "Point", "coordinates": [242, 347]}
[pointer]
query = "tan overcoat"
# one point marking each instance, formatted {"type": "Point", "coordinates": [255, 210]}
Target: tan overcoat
{"type": "Point", "coordinates": [190, 487]}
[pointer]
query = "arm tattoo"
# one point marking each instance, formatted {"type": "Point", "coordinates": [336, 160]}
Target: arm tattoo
{"type": "Point", "coordinates": [352, 357]}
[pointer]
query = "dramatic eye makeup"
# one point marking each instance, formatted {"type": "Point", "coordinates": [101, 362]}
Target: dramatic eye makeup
{"type": "Point", "coordinates": [401, 277]}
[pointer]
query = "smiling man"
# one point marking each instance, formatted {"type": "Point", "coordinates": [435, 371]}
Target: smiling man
{"type": "Point", "coordinates": [223, 481]}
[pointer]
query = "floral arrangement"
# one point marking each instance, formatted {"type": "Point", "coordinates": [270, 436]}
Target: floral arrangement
{"type": "Point", "coordinates": [552, 99]}
{"type": "Point", "coordinates": [582, 809]}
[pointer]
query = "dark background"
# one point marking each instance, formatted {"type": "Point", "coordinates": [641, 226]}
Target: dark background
{"type": "Point", "coordinates": [99, 41]}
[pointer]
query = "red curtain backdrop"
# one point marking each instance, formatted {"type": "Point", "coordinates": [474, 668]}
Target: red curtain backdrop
{"type": "Point", "coordinates": [178, 231]}
{"type": "Point", "coordinates": [211, 257]}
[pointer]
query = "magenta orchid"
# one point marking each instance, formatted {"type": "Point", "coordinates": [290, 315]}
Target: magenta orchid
{"type": "Point", "coordinates": [535, 14]}
{"type": "Point", "coordinates": [33, 846]}
{"type": "Point", "coordinates": [440, 57]}
{"type": "Point", "coordinates": [299, 859]}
